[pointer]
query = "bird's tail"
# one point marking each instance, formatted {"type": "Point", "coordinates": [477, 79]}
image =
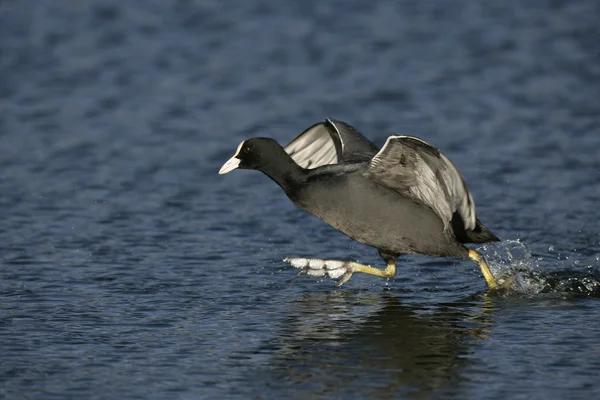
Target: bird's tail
{"type": "Point", "coordinates": [480, 234]}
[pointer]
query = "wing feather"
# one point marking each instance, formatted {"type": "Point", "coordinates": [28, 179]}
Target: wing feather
{"type": "Point", "coordinates": [413, 167]}
{"type": "Point", "coordinates": [330, 142]}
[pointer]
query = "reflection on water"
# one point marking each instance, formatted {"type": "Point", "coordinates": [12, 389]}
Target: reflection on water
{"type": "Point", "coordinates": [376, 343]}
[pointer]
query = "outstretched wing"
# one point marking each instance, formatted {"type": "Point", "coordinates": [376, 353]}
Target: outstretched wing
{"type": "Point", "coordinates": [330, 142]}
{"type": "Point", "coordinates": [413, 167]}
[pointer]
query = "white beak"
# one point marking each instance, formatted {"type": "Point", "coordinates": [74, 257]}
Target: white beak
{"type": "Point", "coordinates": [232, 163]}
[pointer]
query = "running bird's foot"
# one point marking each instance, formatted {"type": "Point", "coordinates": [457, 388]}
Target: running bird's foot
{"type": "Point", "coordinates": [317, 267]}
{"type": "Point", "coordinates": [477, 257]}
{"type": "Point", "coordinates": [338, 269]}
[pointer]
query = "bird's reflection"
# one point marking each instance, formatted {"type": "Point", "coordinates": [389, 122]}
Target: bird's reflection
{"type": "Point", "coordinates": [373, 342]}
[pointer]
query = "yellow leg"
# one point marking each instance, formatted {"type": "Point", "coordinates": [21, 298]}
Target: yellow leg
{"type": "Point", "coordinates": [388, 272]}
{"type": "Point", "coordinates": [485, 270]}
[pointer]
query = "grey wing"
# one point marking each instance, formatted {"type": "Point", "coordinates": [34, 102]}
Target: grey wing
{"type": "Point", "coordinates": [330, 142]}
{"type": "Point", "coordinates": [314, 147]}
{"type": "Point", "coordinates": [413, 167]}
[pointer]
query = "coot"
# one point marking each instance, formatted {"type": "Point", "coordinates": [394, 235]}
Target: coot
{"type": "Point", "coordinates": [406, 197]}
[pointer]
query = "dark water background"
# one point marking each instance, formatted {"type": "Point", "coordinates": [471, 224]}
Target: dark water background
{"type": "Point", "coordinates": [130, 269]}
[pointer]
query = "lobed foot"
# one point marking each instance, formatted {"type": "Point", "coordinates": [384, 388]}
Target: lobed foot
{"type": "Point", "coordinates": [317, 267]}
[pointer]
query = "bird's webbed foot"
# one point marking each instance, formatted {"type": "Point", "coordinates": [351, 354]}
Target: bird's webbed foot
{"type": "Point", "coordinates": [338, 269]}
{"type": "Point", "coordinates": [317, 267]}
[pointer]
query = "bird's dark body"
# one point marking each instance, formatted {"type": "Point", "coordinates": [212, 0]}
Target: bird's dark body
{"type": "Point", "coordinates": [372, 214]}
{"type": "Point", "coordinates": [408, 197]}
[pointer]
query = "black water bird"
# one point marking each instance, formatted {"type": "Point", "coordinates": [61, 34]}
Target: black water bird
{"type": "Point", "coordinates": [406, 197]}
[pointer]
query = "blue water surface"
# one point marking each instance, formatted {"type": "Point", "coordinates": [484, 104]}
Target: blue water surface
{"type": "Point", "coordinates": [129, 269]}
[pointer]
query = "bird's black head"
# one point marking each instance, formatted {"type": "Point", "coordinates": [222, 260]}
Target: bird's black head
{"type": "Point", "coordinates": [252, 154]}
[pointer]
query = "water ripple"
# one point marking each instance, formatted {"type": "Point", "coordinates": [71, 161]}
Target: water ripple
{"type": "Point", "coordinates": [130, 268]}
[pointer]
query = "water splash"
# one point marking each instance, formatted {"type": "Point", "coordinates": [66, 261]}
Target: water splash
{"type": "Point", "coordinates": [511, 261]}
